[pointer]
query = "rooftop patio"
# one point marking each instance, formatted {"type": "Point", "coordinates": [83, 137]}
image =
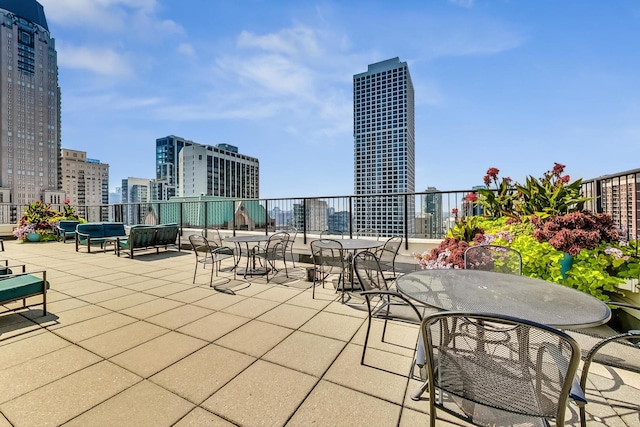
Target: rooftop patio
{"type": "Point", "coordinates": [134, 342]}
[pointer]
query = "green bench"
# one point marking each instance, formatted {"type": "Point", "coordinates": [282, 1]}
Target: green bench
{"type": "Point", "coordinates": [97, 233]}
{"type": "Point", "coordinates": [143, 237]}
{"type": "Point", "coordinates": [21, 286]}
{"type": "Point", "coordinates": [66, 229]}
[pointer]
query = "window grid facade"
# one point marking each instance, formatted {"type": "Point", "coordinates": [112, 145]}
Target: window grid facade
{"type": "Point", "coordinates": [384, 147]}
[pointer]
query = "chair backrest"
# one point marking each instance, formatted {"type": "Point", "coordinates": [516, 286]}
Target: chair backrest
{"type": "Point", "coordinates": [213, 235]}
{"type": "Point", "coordinates": [200, 245]}
{"type": "Point", "coordinates": [499, 367]}
{"type": "Point", "coordinates": [277, 244]}
{"type": "Point", "coordinates": [368, 232]}
{"type": "Point", "coordinates": [389, 251]}
{"type": "Point", "coordinates": [113, 229]}
{"type": "Point", "coordinates": [368, 271]}
{"type": "Point", "coordinates": [327, 252]}
{"type": "Point", "coordinates": [501, 259]}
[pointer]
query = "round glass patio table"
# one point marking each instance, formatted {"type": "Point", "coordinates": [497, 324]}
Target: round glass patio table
{"type": "Point", "coordinates": [532, 299]}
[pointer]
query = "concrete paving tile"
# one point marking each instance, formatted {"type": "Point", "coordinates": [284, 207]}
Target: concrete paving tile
{"type": "Point", "coordinates": [254, 338]}
{"type": "Point", "coordinates": [332, 405]}
{"type": "Point", "coordinates": [157, 354]}
{"type": "Point", "coordinates": [64, 304]}
{"type": "Point", "coordinates": [385, 375]}
{"type": "Point", "coordinates": [179, 316]}
{"type": "Point", "coordinates": [105, 295]}
{"type": "Point", "coordinates": [199, 418]}
{"type": "Point", "coordinates": [254, 288]}
{"type": "Point", "coordinates": [410, 418]}
{"type": "Point", "coordinates": [289, 316]}
{"type": "Point", "coordinates": [278, 294]}
{"type": "Point", "coordinates": [68, 317]}
{"type": "Point", "coordinates": [151, 308]}
{"type": "Point", "coordinates": [199, 375]}
{"type": "Point", "coordinates": [157, 273]}
{"type": "Point", "coordinates": [308, 353]}
{"type": "Point", "coordinates": [144, 404]}
{"type": "Point", "coordinates": [68, 397]}
{"type": "Point", "coordinates": [5, 422]}
{"type": "Point", "coordinates": [180, 277]}
{"type": "Point", "coordinates": [87, 288]}
{"type": "Point", "coordinates": [304, 300]}
{"type": "Point", "coordinates": [14, 352]}
{"type": "Point", "coordinates": [218, 301]}
{"type": "Point", "coordinates": [355, 307]}
{"type": "Point", "coordinates": [117, 278]}
{"type": "Point", "coordinates": [122, 339]}
{"type": "Point", "coordinates": [400, 338]}
{"type": "Point", "coordinates": [263, 394]}
{"type": "Point", "coordinates": [212, 327]}
{"type": "Point", "coordinates": [36, 372]}
{"type": "Point", "coordinates": [250, 307]}
{"type": "Point", "coordinates": [144, 283]}
{"type": "Point", "coordinates": [92, 327]}
{"type": "Point", "coordinates": [333, 325]}
{"type": "Point", "coordinates": [193, 294]}
{"type": "Point", "coordinates": [168, 289]}
{"type": "Point", "coordinates": [127, 301]}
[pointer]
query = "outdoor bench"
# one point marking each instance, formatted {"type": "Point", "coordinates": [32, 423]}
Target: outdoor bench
{"type": "Point", "coordinates": [98, 233]}
{"type": "Point", "coordinates": [21, 286]}
{"type": "Point", "coordinates": [66, 229]}
{"type": "Point", "coordinates": [149, 236]}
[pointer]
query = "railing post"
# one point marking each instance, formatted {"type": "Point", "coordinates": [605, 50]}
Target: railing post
{"type": "Point", "coordinates": [266, 217]}
{"type": "Point", "coordinates": [350, 217]}
{"type": "Point", "coordinates": [181, 219]}
{"type": "Point", "coordinates": [206, 217]}
{"type": "Point", "coordinates": [406, 222]}
{"type": "Point", "coordinates": [304, 220]}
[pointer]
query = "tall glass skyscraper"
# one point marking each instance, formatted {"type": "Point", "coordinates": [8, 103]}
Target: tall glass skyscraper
{"type": "Point", "coordinates": [30, 152]}
{"type": "Point", "coordinates": [384, 148]}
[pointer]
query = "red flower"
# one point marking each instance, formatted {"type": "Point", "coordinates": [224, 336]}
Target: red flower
{"type": "Point", "coordinates": [471, 197]}
{"type": "Point", "coordinates": [66, 202]}
{"type": "Point", "coordinates": [487, 180]}
{"type": "Point", "coordinates": [454, 211]}
{"type": "Point", "coordinates": [565, 179]}
{"type": "Point", "coordinates": [507, 180]}
{"type": "Point", "coordinates": [493, 172]}
{"type": "Point", "coordinates": [558, 168]}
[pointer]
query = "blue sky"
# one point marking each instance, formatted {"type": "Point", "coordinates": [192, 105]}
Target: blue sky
{"type": "Point", "coordinates": [512, 84]}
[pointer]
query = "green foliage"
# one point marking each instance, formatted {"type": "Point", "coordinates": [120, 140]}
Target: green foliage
{"type": "Point", "coordinates": [549, 196]}
{"type": "Point", "coordinates": [498, 202]}
{"type": "Point", "coordinates": [465, 229]}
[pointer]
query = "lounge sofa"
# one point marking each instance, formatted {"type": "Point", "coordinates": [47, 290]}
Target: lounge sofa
{"type": "Point", "coordinates": [142, 237]}
{"type": "Point", "coordinates": [97, 233]}
{"type": "Point", "coordinates": [66, 229]}
{"type": "Point", "coordinates": [21, 286]}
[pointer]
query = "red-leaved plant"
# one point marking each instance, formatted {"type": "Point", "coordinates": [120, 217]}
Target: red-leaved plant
{"type": "Point", "coordinates": [575, 231]}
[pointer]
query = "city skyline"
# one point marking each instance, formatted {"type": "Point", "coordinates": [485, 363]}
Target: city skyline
{"type": "Point", "coordinates": [512, 86]}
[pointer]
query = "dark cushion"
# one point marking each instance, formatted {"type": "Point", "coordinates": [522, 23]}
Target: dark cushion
{"type": "Point", "coordinates": [92, 229]}
{"type": "Point", "coordinates": [68, 226]}
{"type": "Point", "coordinates": [13, 288]}
{"type": "Point", "coordinates": [113, 229]}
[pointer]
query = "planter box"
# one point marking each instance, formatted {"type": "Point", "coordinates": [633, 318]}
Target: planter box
{"type": "Point", "coordinates": [631, 285]}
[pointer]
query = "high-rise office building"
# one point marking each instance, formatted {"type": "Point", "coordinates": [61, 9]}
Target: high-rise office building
{"type": "Point", "coordinates": [136, 195]}
{"type": "Point", "coordinates": [30, 114]}
{"type": "Point", "coordinates": [84, 181]}
{"type": "Point", "coordinates": [187, 168]}
{"type": "Point", "coordinates": [384, 148]}
{"type": "Point", "coordinates": [432, 211]}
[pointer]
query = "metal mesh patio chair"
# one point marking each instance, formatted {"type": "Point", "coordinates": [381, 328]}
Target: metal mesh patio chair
{"type": "Point", "coordinates": [274, 250]}
{"type": "Point", "coordinates": [213, 235]}
{"type": "Point", "coordinates": [293, 233]}
{"type": "Point", "coordinates": [207, 252]}
{"type": "Point", "coordinates": [485, 379]}
{"type": "Point", "coordinates": [501, 259]}
{"type": "Point", "coordinates": [382, 302]}
{"type": "Point", "coordinates": [328, 258]}
{"type": "Point", "coordinates": [621, 351]}
{"type": "Point", "coordinates": [387, 256]}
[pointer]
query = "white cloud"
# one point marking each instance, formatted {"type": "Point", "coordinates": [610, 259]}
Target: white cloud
{"type": "Point", "coordinates": [109, 15]}
{"type": "Point", "coordinates": [186, 49]}
{"type": "Point", "coordinates": [290, 41]}
{"type": "Point", "coordinates": [99, 60]}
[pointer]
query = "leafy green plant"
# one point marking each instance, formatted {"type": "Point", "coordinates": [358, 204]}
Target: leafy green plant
{"type": "Point", "coordinates": [466, 229]}
{"type": "Point", "coordinates": [550, 195]}
{"type": "Point", "coordinates": [498, 202]}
